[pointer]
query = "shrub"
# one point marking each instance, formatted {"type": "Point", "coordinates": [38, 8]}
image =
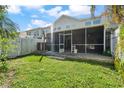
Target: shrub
{"type": "Point", "coordinates": [119, 62]}
{"type": "Point", "coordinates": [4, 66]}
{"type": "Point", "coordinates": [107, 53]}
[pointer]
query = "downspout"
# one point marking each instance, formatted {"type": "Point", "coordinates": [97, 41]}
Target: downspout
{"type": "Point", "coordinates": [104, 39]}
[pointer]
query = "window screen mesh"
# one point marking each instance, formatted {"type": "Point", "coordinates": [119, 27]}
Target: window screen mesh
{"type": "Point", "coordinates": [56, 38]}
{"type": "Point", "coordinates": [95, 35]}
{"type": "Point", "coordinates": [56, 48]}
{"type": "Point", "coordinates": [48, 38]}
{"type": "Point", "coordinates": [48, 47]}
{"type": "Point", "coordinates": [80, 48]}
{"type": "Point", "coordinates": [78, 36]}
{"type": "Point", "coordinates": [94, 49]}
{"type": "Point", "coordinates": [108, 40]}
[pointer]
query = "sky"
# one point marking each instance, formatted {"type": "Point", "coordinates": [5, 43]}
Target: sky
{"type": "Point", "coordinates": [28, 17]}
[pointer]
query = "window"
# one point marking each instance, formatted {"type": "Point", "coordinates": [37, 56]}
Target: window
{"type": "Point", "coordinates": [95, 35]}
{"type": "Point", "coordinates": [88, 23]}
{"type": "Point", "coordinates": [42, 31]}
{"type": "Point", "coordinates": [59, 28]}
{"type": "Point", "coordinates": [46, 30]}
{"type": "Point", "coordinates": [67, 26]}
{"type": "Point", "coordinates": [55, 29]}
{"type": "Point", "coordinates": [97, 21]}
{"type": "Point", "coordinates": [28, 33]}
{"type": "Point", "coordinates": [37, 33]}
{"type": "Point", "coordinates": [34, 34]}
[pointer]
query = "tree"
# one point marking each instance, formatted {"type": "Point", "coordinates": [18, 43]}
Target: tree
{"type": "Point", "coordinates": [116, 14]}
{"type": "Point", "coordinates": [92, 10]}
{"type": "Point", "coordinates": [7, 27]}
{"type": "Point", "coordinates": [8, 31]}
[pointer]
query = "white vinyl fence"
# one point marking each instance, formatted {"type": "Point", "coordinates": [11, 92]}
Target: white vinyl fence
{"type": "Point", "coordinates": [114, 40]}
{"type": "Point", "coordinates": [24, 46]}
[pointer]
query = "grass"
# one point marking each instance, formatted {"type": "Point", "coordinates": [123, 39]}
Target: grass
{"type": "Point", "coordinates": [52, 73]}
{"type": "Point", "coordinates": [2, 78]}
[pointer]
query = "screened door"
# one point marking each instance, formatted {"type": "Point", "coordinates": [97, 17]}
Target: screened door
{"type": "Point", "coordinates": [61, 42]}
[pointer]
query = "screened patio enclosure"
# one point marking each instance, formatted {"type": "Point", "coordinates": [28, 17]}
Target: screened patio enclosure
{"type": "Point", "coordinates": [85, 40]}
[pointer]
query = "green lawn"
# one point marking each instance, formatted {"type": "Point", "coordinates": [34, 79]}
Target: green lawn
{"type": "Point", "coordinates": [52, 73]}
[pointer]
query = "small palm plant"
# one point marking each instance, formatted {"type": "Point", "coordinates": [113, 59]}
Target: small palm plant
{"type": "Point", "coordinates": [8, 31]}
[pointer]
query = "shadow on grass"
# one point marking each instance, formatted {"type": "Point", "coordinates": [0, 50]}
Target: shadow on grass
{"type": "Point", "coordinates": [92, 62]}
{"type": "Point", "coordinates": [24, 56]}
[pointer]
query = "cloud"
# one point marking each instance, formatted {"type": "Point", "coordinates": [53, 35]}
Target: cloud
{"type": "Point", "coordinates": [39, 23]}
{"type": "Point", "coordinates": [34, 16]}
{"type": "Point", "coordinates": [79, 10]}
{"type": "Point", "coordinates": [52, 12]}
{"type": "Point", "coordinates": [73, 10]}
{"type": "Point", "coordinates": [14, 9]}
{"type": "Point", "coordinates": [34, 7]}
{"type": "Point", "coordinates": [29, 26]}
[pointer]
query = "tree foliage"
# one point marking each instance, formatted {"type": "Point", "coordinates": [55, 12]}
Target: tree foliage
{"type": "Point", "coordinates": [116, 12]}
{"type": "Point", "coordinates": [8, 31]}
{"type": "Point", "coordinates": [116, 16]}
{"type": "Point", "coordinates": [92, 10]}
{"type": "Point", "coordinates": [8, 28]}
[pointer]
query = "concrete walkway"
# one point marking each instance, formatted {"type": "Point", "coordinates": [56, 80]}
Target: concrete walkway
{"type": "Point", "coordinates": [83, 56]}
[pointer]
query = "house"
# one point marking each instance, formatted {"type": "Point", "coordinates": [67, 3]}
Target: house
{"type": "Point", "coordinates": [22, 35]}
{"type": "Point", "coordinates": [72, 35]}
{"type": "Point", "coordinates": [38, 34]}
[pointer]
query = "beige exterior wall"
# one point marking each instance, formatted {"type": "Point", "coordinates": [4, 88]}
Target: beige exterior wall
{"type": "Point", "coordinates": [22, 34]}
{"type": "Point", "coordinates": [70, 23]}
{"type": "Point", "coordinates": [66, 23]}
{"type": "Point", "coordinates": [37, 32]}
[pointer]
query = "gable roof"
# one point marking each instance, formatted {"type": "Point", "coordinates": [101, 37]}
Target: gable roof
{"type": "Point", "coordinates": [34, 29]}
{"type": "Point", "coordinates": [66, 16]}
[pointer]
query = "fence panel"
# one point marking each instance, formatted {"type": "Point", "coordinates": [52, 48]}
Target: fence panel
{"type": "Point", "coordinates": [24, 46]}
